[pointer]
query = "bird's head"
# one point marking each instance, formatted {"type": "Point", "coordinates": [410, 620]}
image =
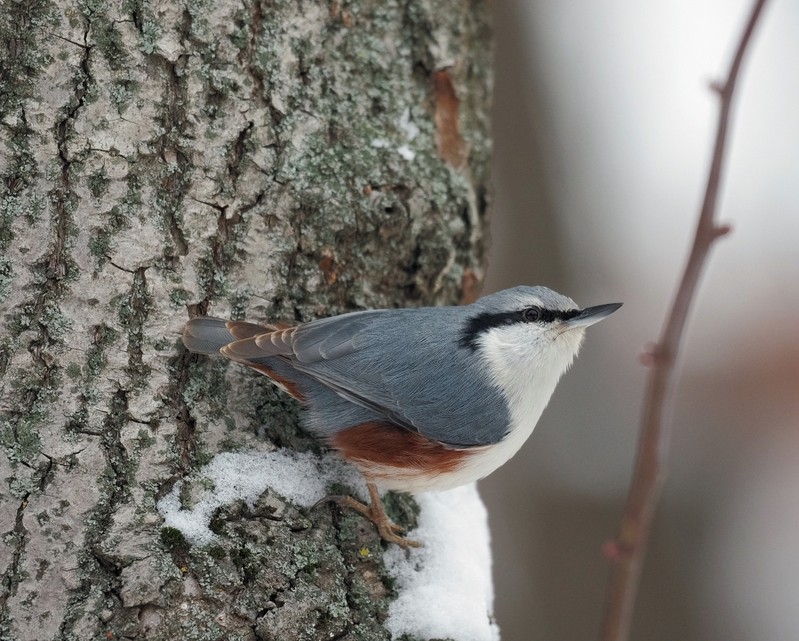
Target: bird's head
{"type": "Point", "coordinates": [528, 332]}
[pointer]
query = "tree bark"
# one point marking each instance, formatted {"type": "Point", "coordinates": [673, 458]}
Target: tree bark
{"type": "Point", "coordinates": [268, 160]}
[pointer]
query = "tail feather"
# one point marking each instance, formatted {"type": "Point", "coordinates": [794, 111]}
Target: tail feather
{"type": "Point", "coordinates": [207, 335]}
{"type": "Point", "coordinates": [236, 341]}
{"type": "Point", "coordinates": [243, 329]}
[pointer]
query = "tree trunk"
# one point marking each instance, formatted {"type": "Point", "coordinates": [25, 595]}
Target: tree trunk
{"type": "Point", "coordinates": [269, 160]}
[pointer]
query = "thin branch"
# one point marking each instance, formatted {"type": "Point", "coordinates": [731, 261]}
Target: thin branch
{"type": "Point", "coordinates": [627, 552]}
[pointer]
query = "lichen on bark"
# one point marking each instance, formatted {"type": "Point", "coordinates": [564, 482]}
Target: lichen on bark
{"type": "Point", "coordinates": [276, 160]}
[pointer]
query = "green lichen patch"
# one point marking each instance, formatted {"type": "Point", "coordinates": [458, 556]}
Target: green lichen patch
{"type": "Point", "coordinates": [73, 371]}
{"type": "Point", "coordinates": [98, 182]}
{"type": "Point", "coordinates": [178, 297]}
{"type": "Point", "coordinates": [121, 93]}
{"type": "Point", "coordinates": [149, 35]}
{"type": "Point", "coordinates": [109, 43]}
{"type": "Point", "coordinates": [221, 257]}
{"type": "Point", "coordinates": [402, 509]}
{"type": "Point", "coordinates": [55, 321]}
{"type": "Point", "coordinates": [6, 276]}
{"type": "Point", "coordinates": [36, 389]}
{"type": "Point", "coordinates": [116, 219]}
{"type": "Point", "coordinates": [103, 337]}
{"type": "Point", "coordinates": [101, 239]}
{"type": "Point", "coordinates": [6, 351]}
{"type": "Point", "coordinates": [22, 26]}
{"type": "Point", "coordinates": [20, 441]}
{"type": "Point", "coordinates": [133, 309]}
{"type": "Point", "coordinates": [206, 387]}
{"type": "Point", "coordinates": [19, 201]}
{"type": "Point", "coordinates": [173, 540]}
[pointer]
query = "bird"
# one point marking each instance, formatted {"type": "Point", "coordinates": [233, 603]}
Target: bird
{"type": "Point", "coordinates": [417, 399]}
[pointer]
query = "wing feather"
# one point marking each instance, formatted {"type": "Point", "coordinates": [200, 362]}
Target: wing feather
{"type": "Point", "coordinates": [403, 365]}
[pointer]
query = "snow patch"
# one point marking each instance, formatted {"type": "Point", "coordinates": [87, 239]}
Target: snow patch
{"type": "Point", "coordinates": [300, 477]}
{"type": "Point", "coordinates": [444, 588]}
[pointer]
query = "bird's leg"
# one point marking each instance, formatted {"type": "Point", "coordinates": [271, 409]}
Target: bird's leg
{"type": "Point", "coordinates": [376, 513]}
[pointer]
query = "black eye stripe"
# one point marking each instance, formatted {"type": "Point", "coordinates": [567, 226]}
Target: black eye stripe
{"type": "Point", "coordinates": [476, 325]}
{"type": "Point", "coordinates": [485, 321]}
{"type": "Point", "coordinates": [569, 313]}
{"type": "Point", "coordinates": [537, 314]}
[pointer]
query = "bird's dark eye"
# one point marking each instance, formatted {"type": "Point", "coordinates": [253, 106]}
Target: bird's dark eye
{"type": "Point", "coordinates": [531, 314]}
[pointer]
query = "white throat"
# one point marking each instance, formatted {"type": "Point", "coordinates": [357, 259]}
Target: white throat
{"type": "Point", "coordinates": [527, 373]}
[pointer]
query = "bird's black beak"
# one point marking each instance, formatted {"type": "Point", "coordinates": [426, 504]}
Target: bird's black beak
{"type": "Point", "coordinates": [591, 315]}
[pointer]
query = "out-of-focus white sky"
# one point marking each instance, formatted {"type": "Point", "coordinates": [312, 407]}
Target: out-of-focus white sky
{"type": "Point", "coordinates": [603, 133]}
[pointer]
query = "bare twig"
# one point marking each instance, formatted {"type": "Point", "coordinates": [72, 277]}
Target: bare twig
{"type": "Point", "coordinates": [627, 551]}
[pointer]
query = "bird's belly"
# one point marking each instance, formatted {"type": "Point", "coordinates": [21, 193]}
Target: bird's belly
{"type": "Point", "coordinates": [397, 459]}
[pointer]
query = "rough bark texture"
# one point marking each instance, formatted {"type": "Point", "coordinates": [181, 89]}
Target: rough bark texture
{"type": "Point", "coordinates": [244, 158]}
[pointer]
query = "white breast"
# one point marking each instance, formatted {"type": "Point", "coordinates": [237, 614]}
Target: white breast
{"type": "Point", "coordinates": [527, 380]}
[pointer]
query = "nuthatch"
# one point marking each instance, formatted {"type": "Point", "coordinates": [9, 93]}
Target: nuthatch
{"type": "Point", "coordinates": [417, 399]}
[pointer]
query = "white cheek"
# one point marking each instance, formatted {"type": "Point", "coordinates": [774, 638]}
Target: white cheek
{"type": "Point", "coordinates": [523, 362]}
{"type": "Point", "coordinates": [526, 367]}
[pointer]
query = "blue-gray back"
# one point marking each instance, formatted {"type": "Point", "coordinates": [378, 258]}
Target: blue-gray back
{"type": "Point", "coordinates": [407, 366]}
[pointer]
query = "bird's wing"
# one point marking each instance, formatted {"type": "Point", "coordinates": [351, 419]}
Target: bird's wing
{"type": "Point", "coordinates": [309, 346]}
{"type": "Point", "coordinates": [403, 364]}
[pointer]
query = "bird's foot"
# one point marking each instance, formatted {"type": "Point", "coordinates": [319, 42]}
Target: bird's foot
{"type": "Point", "coordinates": [375, 512]}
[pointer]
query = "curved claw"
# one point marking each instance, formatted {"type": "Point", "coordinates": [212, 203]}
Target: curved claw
{"type": "Point", "coordinates": [330, 498]}
{"type": "Point", "coordinates": [375, 512]}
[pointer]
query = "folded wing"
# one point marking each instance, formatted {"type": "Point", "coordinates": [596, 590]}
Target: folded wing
{"type": "Point", "coordinates": [404, 365]}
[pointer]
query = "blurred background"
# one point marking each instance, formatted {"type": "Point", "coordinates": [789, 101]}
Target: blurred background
{"type": "Point", "coordinates": [603, 130]}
